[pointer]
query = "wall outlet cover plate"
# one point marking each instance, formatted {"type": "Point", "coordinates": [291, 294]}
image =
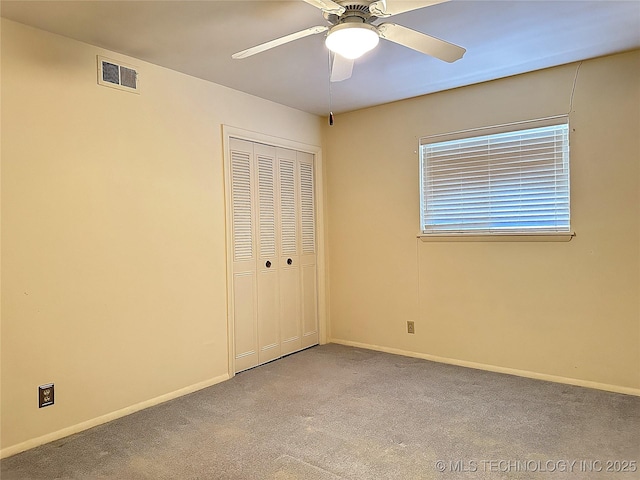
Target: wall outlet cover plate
{"type": "Point", "coordinates": [45, 395]}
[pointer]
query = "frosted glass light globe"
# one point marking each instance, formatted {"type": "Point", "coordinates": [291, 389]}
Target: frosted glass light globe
{"type": "Point", "coordinates": [352, 40]}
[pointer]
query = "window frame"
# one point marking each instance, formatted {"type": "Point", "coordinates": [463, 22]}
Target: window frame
{"type": "Point", "coordinates": [508, 234]}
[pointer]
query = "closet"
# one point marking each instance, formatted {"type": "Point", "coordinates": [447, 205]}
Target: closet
{"type": "Point", "coordinates": [274, 288]}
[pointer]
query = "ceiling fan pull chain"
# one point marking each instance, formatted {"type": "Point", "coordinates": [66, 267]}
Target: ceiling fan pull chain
{"type": "Point", "coordinates": [330, 99]}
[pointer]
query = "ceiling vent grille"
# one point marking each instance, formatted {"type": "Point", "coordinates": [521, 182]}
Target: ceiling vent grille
{"type": "Point", "coordinates": [118, 75]}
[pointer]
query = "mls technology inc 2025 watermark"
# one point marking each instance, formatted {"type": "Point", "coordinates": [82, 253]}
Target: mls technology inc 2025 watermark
{"type": "Point", "coordinates": [536, 466]}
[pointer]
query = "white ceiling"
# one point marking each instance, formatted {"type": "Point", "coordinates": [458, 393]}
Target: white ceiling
{"type": "Point", "coordinates": [502, 38]}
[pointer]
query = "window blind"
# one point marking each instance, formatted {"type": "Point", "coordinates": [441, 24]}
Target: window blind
{"type": "Point", "coordinates": [511, 182]}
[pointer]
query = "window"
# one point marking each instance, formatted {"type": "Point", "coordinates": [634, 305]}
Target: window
{"type": "Point", "coordinates": [514, 182]}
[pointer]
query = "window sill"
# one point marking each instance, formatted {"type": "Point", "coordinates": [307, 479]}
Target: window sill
{"type": "Point", "coordinates": [496, 237]}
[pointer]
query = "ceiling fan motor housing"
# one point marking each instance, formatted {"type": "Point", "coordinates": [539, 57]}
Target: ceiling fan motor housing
{"type": "Point", "coordinates": [355, 11]}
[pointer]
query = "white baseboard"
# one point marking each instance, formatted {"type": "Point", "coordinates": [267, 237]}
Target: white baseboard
{"type": "Point", "coordinates": [65, 432]}
{"type": "Point", "coordinates": [494, 368]}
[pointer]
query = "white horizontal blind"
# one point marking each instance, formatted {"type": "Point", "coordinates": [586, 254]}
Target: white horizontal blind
{"type": "Point", "coordinates": [514, 182]}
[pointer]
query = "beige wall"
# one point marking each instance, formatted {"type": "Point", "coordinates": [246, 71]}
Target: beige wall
{"type": "Point", "coordinates": [550, 309]}
{"type": "Point", "coordinates": [113, 238]}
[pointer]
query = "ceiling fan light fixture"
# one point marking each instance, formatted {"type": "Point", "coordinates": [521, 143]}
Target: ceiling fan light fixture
{"type": "Point", "coordinates": [352, 40]}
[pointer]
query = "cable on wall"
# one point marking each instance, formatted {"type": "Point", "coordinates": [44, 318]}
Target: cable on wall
{"type": "Point", "coordinates": [573, 89]}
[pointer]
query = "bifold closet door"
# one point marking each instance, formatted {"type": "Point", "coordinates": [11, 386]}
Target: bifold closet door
{"type": "Point", "coordinates": [256, 291]}
{"type": "Point", "coordinates": [245, 285]}
{"type": "Point", "coordinates": [308, 254]}
{"type": "Point", "coordinates": [290, 304]}
{"type": "Point", "coordinates": [268, 261]}
{"type": "Point", "coordinates": [274, 294]}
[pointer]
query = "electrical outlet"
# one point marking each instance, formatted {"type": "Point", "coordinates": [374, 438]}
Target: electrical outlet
{"type": "Point", "coordinates": [411, 328]}
{"type": "Point", "coordinates": [45, 395]}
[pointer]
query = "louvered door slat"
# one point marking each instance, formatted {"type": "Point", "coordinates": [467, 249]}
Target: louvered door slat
{"type": "Point", "coordinates": [242, 207]}
{"type": "Point", "coordinates": [288, 207]}
{"type": "Point", "coordinates": [267, 206]}
{"type": "Point", "coordinates": [307, 209]}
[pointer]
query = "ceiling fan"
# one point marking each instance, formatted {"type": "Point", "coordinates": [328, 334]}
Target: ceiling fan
{"type": "Point", "coordinates": [353, 31]}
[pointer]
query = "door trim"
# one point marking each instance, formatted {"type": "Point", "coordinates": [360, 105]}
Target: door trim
{"type": "Point", "coordinates": [229, 131]}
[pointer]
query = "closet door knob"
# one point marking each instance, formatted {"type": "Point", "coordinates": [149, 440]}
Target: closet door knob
{"type": "Point", "coordinates": [289, 261]}
{"type": "Point", "coordinates": [268, 264]}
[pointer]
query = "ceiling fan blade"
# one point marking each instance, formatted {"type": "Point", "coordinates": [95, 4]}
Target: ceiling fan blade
{"type": "Point", "coordinates": [278, 41]}
{"type": "Point", "coordinates": [341, 68]}
{"type": "Point", "coordinates": [328, 6]}
{"type": "Point", "coordinates": [386, 8]}
{"type": "Point", "coordinates": [422, 43]}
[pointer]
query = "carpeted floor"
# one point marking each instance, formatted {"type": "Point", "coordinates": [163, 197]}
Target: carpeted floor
{"type": "Point", "coordinates": [334, 412]}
